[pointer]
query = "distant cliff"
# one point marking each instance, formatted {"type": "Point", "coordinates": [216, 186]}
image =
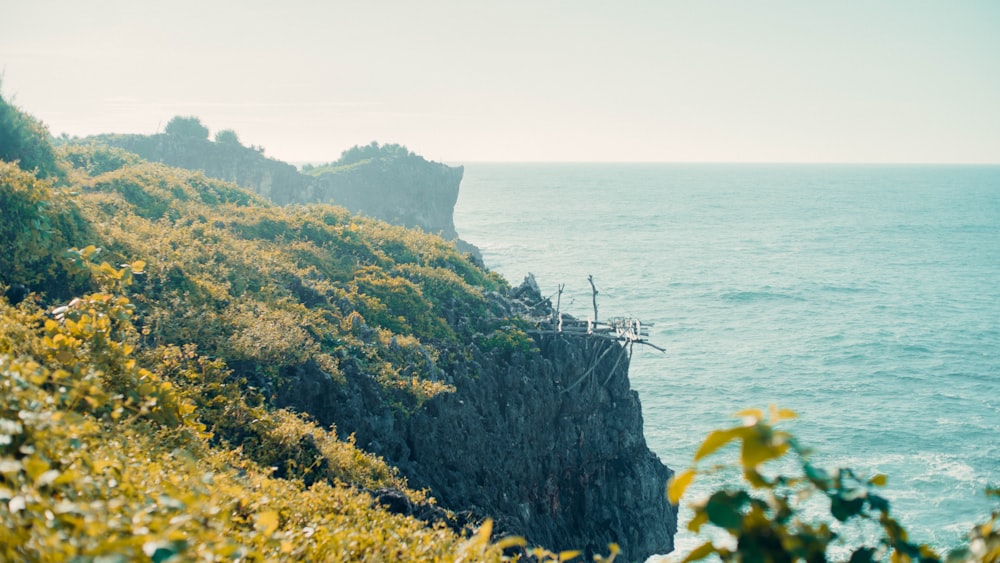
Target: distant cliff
{"type": "Point", "coordinates": [278, 181]}
{"type": "Point", "coordinates": [390, 183]}
{"type": "Point", "coordinates": [387, 182]}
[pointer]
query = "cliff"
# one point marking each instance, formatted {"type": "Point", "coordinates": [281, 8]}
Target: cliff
{"type": "Point", "coordinates": [402, 189]}
{"type": "Point", "coordinates": [278, 181]}
{"type": "Point", "coordinates": [407, 191]}
{"type": "Point", "coordinates": [548, 441]}
{"type": "Point", "coordinates": [255, 339]}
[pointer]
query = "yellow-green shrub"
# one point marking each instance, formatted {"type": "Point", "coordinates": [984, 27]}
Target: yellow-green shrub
{"type": "Point", "coordinates": [95, 159]}
{"type": "Point", "coordinates": [25, 140]}
{"type": "Point", "coordinates": [37, 224]}
{"type": "Point", "coordinates": [100, 457]}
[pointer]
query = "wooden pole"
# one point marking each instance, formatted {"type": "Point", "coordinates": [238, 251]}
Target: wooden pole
{"type": "Point", "coordinates": [558, 317]}
{"type": "Point", "coordinates": [590, 278]}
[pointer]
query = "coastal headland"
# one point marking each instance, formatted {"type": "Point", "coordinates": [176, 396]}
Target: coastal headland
{"type": "Point", "coordinates": [297, 346]}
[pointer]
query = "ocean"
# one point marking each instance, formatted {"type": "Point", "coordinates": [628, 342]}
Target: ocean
{"type": "Point", "coordinates": [864, 297]}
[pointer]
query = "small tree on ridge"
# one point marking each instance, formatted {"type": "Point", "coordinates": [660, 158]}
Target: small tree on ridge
{"type": "Point", "coordinates": [189, 127]}
{"type": "Point", "coordinates": [227, 137]}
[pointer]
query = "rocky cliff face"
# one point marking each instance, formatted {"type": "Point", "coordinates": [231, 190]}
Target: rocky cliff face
{"type": "Point", "coordinates": [549, 443]}
{"type": "Point", "coordinates": [410, 192]}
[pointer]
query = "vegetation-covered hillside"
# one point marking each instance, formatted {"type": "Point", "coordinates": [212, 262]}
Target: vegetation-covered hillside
{"type": "Point", "coordinates": [147, 312]}
{"type": "Point", "coordinates": [387, 182]}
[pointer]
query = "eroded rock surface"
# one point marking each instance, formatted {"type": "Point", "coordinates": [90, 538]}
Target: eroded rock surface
{"type": "Point", "coordinates": [549, 443]}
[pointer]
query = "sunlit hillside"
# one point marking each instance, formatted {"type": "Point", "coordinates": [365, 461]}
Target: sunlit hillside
{"type": "Point", "coordinates": [148, 312]}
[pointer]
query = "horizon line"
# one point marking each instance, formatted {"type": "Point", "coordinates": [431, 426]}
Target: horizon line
{"type": "Point", "coordinates": [731, 162]}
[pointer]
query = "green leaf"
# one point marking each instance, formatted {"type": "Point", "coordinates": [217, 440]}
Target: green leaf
{"type": "Point", "coordinates": [843, 509]}
{"type": "Point", "coordinates": [159, 551]}
{"type": "Point", "coordinates": [678, 484]}
{"type": "Point", "coordinates": [758, 449]}
{"type": "Point", "coordinates": [879, 480]}
{"type": "Point", "coordinates": [723, 509]}
{"type": "Point", "coordinates": [700, 552]}
{"type": "Point", "coordinates": [878, 503]}
{"type": "Point", "coordinates": [863, 555]}
{"type": "Point", "coordinates": [817, 475]}
{"type": "Point", "coordinates": [716, 440]}
{"type": "Point", "coordinates": [567, 555]}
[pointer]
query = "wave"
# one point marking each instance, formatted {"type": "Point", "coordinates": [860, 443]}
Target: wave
{"type": "Point", "coordinates": [846, 289]}
{"type": "Point", "coordinates": [752, 296]}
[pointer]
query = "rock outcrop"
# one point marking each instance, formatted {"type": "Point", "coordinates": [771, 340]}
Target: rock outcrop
{"type": "Point", "coordinates": [408, 191]}
{"type": "Point", "coordinates": [549, 443]}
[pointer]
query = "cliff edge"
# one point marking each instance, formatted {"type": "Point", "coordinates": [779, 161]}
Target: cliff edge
{"type": "Point", "coordinates": [547, 441]}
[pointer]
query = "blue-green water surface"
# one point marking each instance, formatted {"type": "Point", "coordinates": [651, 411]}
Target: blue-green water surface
{"type": "Point", "coordinates": [866, 298]}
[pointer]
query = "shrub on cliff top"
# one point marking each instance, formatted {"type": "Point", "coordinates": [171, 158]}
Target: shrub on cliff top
{"type": "Point", "coordinates": [95, 158]}
{"type": "Point", "coordinates": [373, 150]}
{"type": "Point", "coordinates": [259, 286]}
{"type": "Point", "coordinates": [188, 127]}
{"type": "Point", "coordinates": [228, 137]}
{"type": "Point", "coordinates": [37, 224]}
{"type": "Point", "coordinates": [24, 140]}
{"type": "Point", "coordinates": [361, 155]}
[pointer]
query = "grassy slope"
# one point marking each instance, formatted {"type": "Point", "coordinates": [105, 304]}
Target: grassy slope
{"type": "Point", "coordinates": [126, 424]}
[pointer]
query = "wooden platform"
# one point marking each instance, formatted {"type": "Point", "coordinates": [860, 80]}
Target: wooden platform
{"type": "Point", "coordinates": [625, 330]}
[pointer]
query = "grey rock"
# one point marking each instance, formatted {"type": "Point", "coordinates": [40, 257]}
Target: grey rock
{"type": "Point", "coordinates": [561, 461]}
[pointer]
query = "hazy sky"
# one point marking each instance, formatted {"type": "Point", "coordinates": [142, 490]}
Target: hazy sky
{"type": "Point", "coordinates": [462, 81]}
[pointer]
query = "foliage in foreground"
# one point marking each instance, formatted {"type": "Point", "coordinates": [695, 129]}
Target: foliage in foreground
{"type": "Point", "coordinates": [100, 456]}
{"type": "Point", "coordinates": [103, 459]}
{"type": "Point", "coordinates": [763, 517]}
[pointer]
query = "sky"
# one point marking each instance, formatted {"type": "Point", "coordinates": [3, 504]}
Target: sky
{"type": "Point", "coordinates": [906, 81]}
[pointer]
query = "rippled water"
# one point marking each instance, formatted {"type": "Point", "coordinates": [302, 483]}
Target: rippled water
{"type": "Point", "coordinates": [867, 298]}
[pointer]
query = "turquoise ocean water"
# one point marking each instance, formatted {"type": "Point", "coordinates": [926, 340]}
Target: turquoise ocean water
{"type": "Point", "coordinates": [866, 298]}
